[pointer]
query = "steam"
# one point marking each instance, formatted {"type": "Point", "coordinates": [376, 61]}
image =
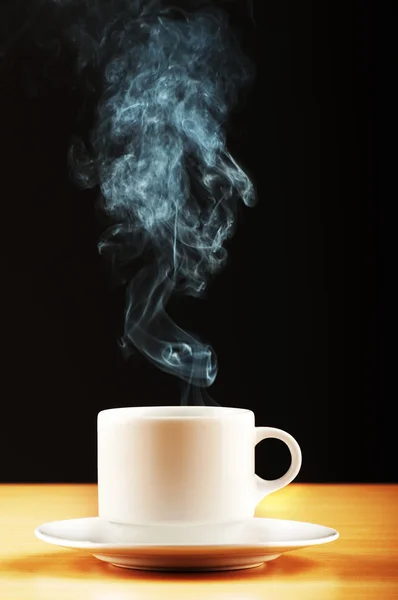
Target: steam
{"type": "Point", "coordinates": [157, 151]}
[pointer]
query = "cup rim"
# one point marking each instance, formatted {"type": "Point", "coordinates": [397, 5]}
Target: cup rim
{"type": "Point", "coordinates": [173, 412]}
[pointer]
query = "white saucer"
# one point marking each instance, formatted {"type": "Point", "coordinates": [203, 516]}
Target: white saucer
{"type": "Point", "coordinates": [240, 546]}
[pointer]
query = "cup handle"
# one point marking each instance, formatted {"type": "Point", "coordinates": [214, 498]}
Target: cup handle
{"type": "Point", "coordinates": [265, 487]}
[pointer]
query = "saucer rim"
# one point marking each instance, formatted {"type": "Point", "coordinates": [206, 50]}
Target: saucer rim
{"type": "Point", "coordinates": [89, 545]}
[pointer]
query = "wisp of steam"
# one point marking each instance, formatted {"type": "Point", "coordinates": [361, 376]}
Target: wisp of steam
{"type": "Point", "coordinates": [169, 79]}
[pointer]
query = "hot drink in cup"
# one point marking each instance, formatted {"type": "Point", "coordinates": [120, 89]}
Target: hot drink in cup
{"type": "Point", "coordinates": [183, 465]}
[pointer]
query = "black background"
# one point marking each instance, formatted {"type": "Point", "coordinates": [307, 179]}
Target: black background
{"type": "Point", "coordinates": [299, 318]}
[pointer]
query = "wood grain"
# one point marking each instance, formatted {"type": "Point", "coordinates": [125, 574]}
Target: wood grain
{"type": "Point", "coordinates": [362, 564]}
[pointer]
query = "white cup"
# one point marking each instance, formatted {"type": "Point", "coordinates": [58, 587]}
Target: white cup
{"type": "Point", "coordinates": [183, 465]}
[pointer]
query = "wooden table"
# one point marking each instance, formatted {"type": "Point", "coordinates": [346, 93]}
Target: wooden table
{"type": "Point", "coordinates": [362, 563]}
